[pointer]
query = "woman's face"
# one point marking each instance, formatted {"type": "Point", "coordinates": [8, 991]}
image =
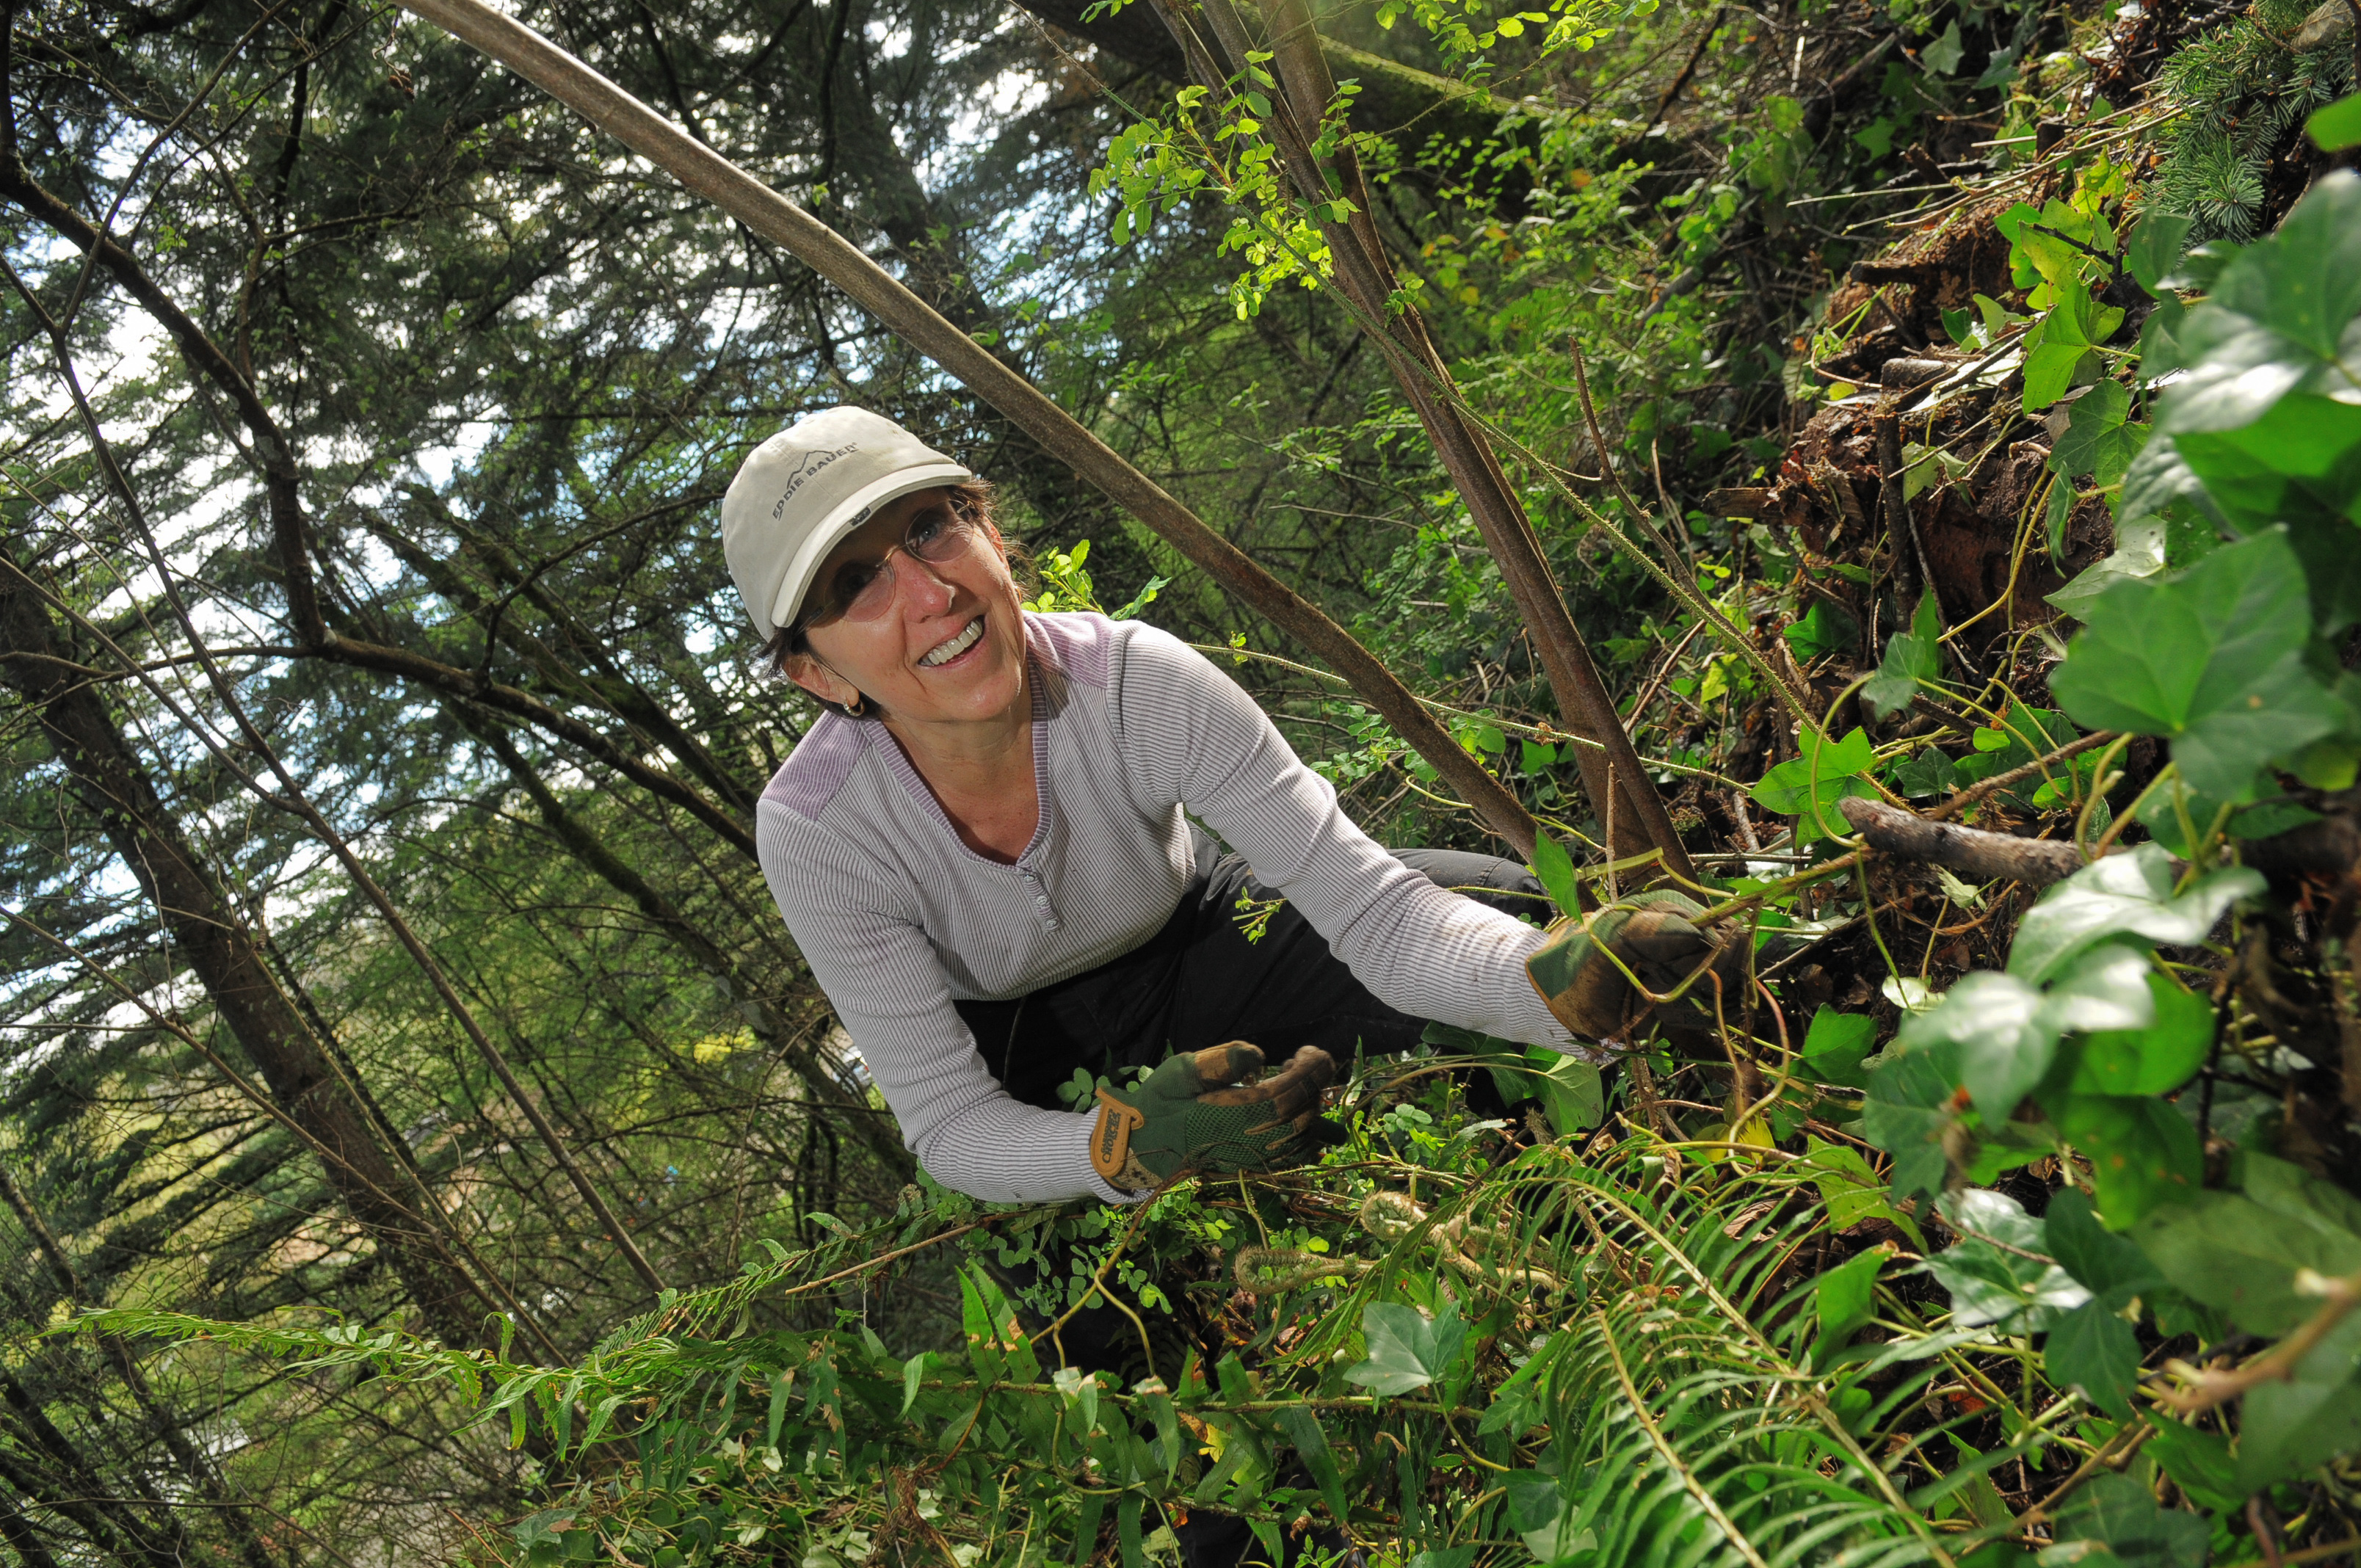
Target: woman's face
{"type": "Point", "coordinates": [949, 647]}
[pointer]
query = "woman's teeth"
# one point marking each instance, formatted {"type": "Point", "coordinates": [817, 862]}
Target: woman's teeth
{"type": "Point", "coordinates": [945, 653]}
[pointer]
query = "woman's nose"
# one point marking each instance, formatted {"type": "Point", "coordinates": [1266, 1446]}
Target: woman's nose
{"type": "Point", "coordinates": [923, 592]}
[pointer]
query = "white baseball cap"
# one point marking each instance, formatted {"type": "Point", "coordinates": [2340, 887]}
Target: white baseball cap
{"type": "Point", "coordinates": [803, 491]}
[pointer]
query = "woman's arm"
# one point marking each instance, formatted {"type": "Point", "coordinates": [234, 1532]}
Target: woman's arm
{"type": "Point", "coordinates": [881, 975]}
{"type": "Point", "coordinates": [1189, 734]}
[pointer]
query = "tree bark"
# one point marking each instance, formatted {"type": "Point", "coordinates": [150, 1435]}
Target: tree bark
{"type": "Point", "coordinates": [215, 939]}
{"type": "Point", "coordinates": [1986, 857]}
{"type": "Point", "coordinates": [88, 1498]}
{"type": "Point", "coordinates": [24, 1537]}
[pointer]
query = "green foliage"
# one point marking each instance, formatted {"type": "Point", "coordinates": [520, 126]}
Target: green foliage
{"type": "Point", "coordinates": [1638, 1425]}
{"type": "Point", "coordinates": [1912, 658]}
{"type": "Point", "coordinates": [2085, 1030]}
{"type": "Point", "coordinates": [2258, 431]}
{"type": "Point", "coordinates": [2338, 127]}
{"type": "Point", "coordinates": [1808, 787]}
{"type": "Point", "coordinates": [2214, 659]}
{"type": "Point", "coordinates": [1659, 1345]}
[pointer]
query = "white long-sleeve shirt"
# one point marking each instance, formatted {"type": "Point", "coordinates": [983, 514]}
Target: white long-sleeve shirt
{"type": "Point", "coordinates": [1131, 729]}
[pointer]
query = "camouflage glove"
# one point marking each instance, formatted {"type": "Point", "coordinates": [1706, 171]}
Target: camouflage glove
{"type": "Point", "coordinates": [1213, 1112]}
{"type": "Point", "coordinates": [1656, 936]}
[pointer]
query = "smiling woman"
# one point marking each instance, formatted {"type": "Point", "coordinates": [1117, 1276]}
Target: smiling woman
{"type": "Point", "coordinates": [990, 850]}
{"type": "Point", "coordinates": [914, 614]}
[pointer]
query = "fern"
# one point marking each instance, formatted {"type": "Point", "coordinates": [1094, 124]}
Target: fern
{"type": "Point", "coordinates": [1689, 1430]}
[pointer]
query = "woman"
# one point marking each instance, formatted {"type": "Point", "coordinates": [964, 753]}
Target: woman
{"type": "Point", "coordinates": [984, 849]}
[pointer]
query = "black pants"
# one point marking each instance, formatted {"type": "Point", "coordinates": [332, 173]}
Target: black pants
{"type": "Point", "coordinates": [1198, 982]}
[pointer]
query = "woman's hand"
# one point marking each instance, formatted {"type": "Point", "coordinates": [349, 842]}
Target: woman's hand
{"type": "Point", "coordinates": [1659, 944]}
{"type": "Point", "coordinates": [1213, 1112]}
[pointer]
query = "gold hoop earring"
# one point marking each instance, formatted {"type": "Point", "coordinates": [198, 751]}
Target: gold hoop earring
{"type": "Point", "coordinates": [857, 707]}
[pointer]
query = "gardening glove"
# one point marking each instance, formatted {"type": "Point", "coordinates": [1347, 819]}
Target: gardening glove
{"type": "Point", "coordinates": [1213, 1112]}
{"type": "Point", "coordinates": [1656, 937]}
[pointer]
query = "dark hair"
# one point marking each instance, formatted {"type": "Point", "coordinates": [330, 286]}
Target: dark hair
{"type": "Point", "coordinates": [971, 498]}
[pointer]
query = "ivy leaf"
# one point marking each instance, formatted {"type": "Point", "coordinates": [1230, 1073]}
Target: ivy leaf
{"type": "Point", "coordinates": [1836, 1044]}
{"type": "Point", "coordinates": [2234, 1255]}
{"type": "Point", "coordinates": [2199, 1463]}
{"type": "Point", "coordinates": [1572, 1095]}
{"type": "Point", "coordinates": [2002, 1033]}
{"type": "Point", "coordinates": [2297, 461]}
{"type": "Point", "coordinates": [2059, 342]}
{"type": "Point", "coordinates": [2155, 1060]}
{"type": "Point", "coordinates": [1541, 1513]}
{"type": "Point", "coordinates": [1930, 772]}
{"type": "Point", "coordinates": [2139, 552]}
{"type": "Point", "coordinates": [1849, 1188]}
{"type": "Point", "coordinates": [2126, 894]}
{"type": "Point", "coordinates": [1807, 788]}
{"type": "Point", "coordinates": [2144, 1154]}
{"type": "Point", "coordinates": [1991, 1284]}
{"type": "Point", "coordinates": [2099, 443]}
{"type": "Point", "coordinates": [1993, 1023]}
{"type": "Point", "coordinates": [2281, 314]}
{"type": "Point", "coordinates": [1407, 1350]}
{"type": "Point", "coordinates": [2285, 1189]}
{"type": "Point", "coordinates": [1554, 869]}
{"type": "Point", "coordinates": [1911, 657]}
{"type": "Point", "coordinates": [2213, 660]}
{"type": "Point", "coordinates": [2160, 483]}
{"type": "Point", "coordinates": [2112, 1269]}
{"type": "Point", "coordinates": [2002, 69]}
{"type": "Point", "coordinates": [2159, 340]}
{"type": "Point", "coordinates": [1845, 1298]}
{"type": "Point", "coordinates": [2287, 1427]}
{"type": "Point", "coordinates": [2106, 989]}
{"type": "Point", "coordinates": [2119, 1513]}
{"type": "Point", "coordinates": [1942, 56]}
{"type": "Point", "coordinates": [1909, 1109]}
{"type": "Point", "coordinates": [1825, 629]}
{"type": "Point", "coordinates": [2154, 250]}
{"type": "Point", "coordinates": [2264, 414]}
{"type": "Point", "coordinates": [2095, 1351]}
{"type": "Point", "coordinates": [2335, 126]}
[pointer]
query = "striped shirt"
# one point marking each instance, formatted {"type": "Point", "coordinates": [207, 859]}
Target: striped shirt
{"type": "Point", "coordinates": [1131, 729]}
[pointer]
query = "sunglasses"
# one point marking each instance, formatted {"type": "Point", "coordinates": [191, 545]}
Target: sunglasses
{"type": "Point", "coordinates": [863, 590]}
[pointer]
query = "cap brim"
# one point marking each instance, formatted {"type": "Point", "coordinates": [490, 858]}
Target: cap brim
{"type": "Point", "coordinates": [850, 514]}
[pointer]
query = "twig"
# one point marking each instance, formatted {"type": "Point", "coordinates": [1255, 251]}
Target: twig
{"type": "Point", "coordinates": [2266, 1531]}
{"type": "Point", "coordinates": [2130, 1436]}
{"type": "Point", "coordinates": [1909, 568]}
{"type": "Point", "coordinates": [2210, 1387]}
{"type": "Point", "coordinates": [1986, 857]}
{"type": "Point", "coordinates": [1998, 782]}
